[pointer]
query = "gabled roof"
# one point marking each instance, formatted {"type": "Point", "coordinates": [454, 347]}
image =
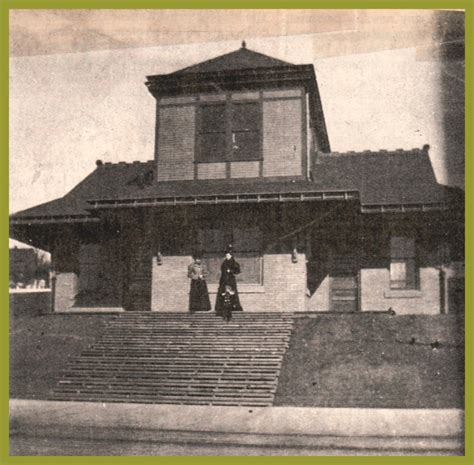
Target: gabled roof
{"type": "Point", "coordinates": [375, 178]}
{"type": "Point", "coordinates": [239, 59]}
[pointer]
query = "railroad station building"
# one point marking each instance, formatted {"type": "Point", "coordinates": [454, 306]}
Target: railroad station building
{"type": "Point", "coordinates": [243, 157]}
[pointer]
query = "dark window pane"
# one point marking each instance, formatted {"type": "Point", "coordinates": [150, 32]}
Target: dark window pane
{"type": "Point", "coordinates": [213, 118]}
{"type": "Point", "coordinates": [246, 145]}
{"type": "Point", "coordinates": [250, 268]}
{"type": "Point", "coordinates": [213, 240]}
{"type": "Point", "coordinates": [402, 247]}
{"type": "Point", "coordinates": [245, 117]}
{"type": "Point", "coordinates": [403, 268]}
{"type": "Point", "coordinates": [212, 146]}
{"type": "Point", "coordinates": [411, 274]}
{"type": "Point", "coordinates": [248, 239]}
{"type": "Point", "coordinates": [247, 243]}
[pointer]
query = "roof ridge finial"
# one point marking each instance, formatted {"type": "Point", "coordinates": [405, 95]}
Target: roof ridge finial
{"type": "Point", "coordinates": [244, 44]}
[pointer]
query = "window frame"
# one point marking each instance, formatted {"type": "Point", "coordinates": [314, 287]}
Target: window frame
{"type": "Point", "coordinates": [199, 157]}
{"type": "Point", "coordinates": [411, 279]}
{"type": "Point", "coordinates": [206, 257]}
{"type": "Point", "coordinates": [229, 131]}
{"type": "Point", "coordinates": [229, 236]}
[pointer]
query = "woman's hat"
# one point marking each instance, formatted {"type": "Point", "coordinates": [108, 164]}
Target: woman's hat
{"type": "Point", "coordinates": [229, 249]}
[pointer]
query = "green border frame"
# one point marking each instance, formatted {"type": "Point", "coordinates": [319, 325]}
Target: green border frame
{"type": "Point", "coordinates": [6, 5]}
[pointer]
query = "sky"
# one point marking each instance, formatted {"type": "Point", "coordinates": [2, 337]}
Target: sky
{"type": "Point", "coordinates": [381, 80]}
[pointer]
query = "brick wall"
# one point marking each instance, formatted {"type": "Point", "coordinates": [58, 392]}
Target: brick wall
{"type": "Point", "coordinates": [64, 291]}
{"type": "Point", "coordinates": [170, 284]}
{"type": "Point", "coordinates": [245, 96]}
{"type": "Point", "coordinates": [284, 282]}
{"type": "Point", "coordinates": [245, 169]}
{"type": "Point", "coordinates": [176, 140]}
{"type": "Point", "coordinates": [282, 138]}
{"type": "Point", "coordinates": [283, 93]}
{"type": "Point", "coordinates": [284, 286]}
{"type": "Point", "coordinates": [211, 170]}
{"type": "Point", "coordinates": [65, 263]}
{"type": "Point", "coordinates": [100, 273]}
{"type": "Point", "coordinates": [377, 295]}
{"type": "Point", "coordinates": [320, 301]}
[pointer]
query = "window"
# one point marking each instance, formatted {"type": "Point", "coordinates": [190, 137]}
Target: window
{"type": "Point", "coordinates": [212, 133]}
{"type": "Point", "coordinates": [229, 132]}
{"type": "Point", "coordinates": [245, 131]}
{"type": "Point", "coordinates": [247, 244]}
{"type": "Point", "coordinates": [403, 269]}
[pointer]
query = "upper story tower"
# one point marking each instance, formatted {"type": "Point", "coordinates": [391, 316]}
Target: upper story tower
{"type": "Point", "coordinates": [240, 115]}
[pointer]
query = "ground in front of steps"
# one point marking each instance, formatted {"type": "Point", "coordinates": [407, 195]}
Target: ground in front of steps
{"type": "Point", "coordinates": [333, 361]}
{"type": "Point", "coordinates": [377, 361]}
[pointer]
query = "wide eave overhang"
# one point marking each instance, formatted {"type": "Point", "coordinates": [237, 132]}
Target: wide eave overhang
{"type": "Point", "coordinates": [98, 205]}
{"type": "Point", "coordinates": [53, 220]}
{"type": "Point", "coordinates": [252, 78]}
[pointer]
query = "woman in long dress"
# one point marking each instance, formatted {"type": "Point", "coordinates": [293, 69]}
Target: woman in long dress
{"type": "Point", "coordinates": [198, 295]}
{"type": "Point", "coordinates": [229, 269]}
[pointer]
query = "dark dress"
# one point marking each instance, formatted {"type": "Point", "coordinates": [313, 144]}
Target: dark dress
{"type": "Point", "coordinates": [229, 304]}
{"type": "Point", "coordinates": [229, 269]}
{"type": "Point", "coordinates": [198, 295]}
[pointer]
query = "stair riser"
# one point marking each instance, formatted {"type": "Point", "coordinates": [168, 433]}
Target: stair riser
{"type": "Point", "coordinates": [152, 381]}
{"type": "Point", "coordinates": [165, 394]}
{"type": "Point", "coordinates": [204, 369]}
{"type": "Point", "coordinates": [145, 400]}
{"type": "Point", "coordinates": [174, 380]}
{"type": "Point", "coordinates": [189, 359]}
{"type": "Point", "coordinates": [181, 359]}
{"type": "Point", "coordinates": [160, 388]}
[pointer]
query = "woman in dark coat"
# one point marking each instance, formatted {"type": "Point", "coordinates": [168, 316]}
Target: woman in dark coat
{"type": "Point", "coordinates": [229, 269]}
{"type": "Point", "coordinates": [198, 295]}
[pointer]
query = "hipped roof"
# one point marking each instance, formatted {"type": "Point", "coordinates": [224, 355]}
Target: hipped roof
{"type": "Point", "coordinates": [380, 178]}
{"type": "Point", "coordinates": [242, 58]}
{"type": "Point", "coordinates": [244, 69]}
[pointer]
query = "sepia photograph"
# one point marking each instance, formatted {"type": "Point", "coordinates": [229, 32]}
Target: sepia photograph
{"type": "Point", "coordinates": [236, 232]}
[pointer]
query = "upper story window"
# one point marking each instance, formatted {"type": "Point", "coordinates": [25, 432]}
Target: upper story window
{"type": "Point", "coordinates": [212, 132]}
{"type": "Point", "coordinates": [229, 131]}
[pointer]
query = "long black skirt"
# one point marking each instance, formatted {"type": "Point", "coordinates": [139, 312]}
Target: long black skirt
{"type": "Point", "coordinates": [235, 301]}
{"type": "Point", "coordinates": [199, 296]}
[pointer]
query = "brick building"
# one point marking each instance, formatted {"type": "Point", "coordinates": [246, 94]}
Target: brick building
{"type": "Point", "coordinates": [242, 156]}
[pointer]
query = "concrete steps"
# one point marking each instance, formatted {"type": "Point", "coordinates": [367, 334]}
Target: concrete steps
{"type": "Point", "coordinates": [176, 358]}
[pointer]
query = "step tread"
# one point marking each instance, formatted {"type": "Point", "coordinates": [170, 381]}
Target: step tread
{"type": "Point", "coordinates": [154, 382]}
{"type": "Point", "coordinates": [180, 358]}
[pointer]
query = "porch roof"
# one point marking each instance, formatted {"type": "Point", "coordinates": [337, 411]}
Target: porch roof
{"type": "Point", "coordinates": [381, 181]}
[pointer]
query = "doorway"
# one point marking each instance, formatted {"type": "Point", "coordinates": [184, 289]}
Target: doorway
{"type": "Point", "coordinates": [344, 284]}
